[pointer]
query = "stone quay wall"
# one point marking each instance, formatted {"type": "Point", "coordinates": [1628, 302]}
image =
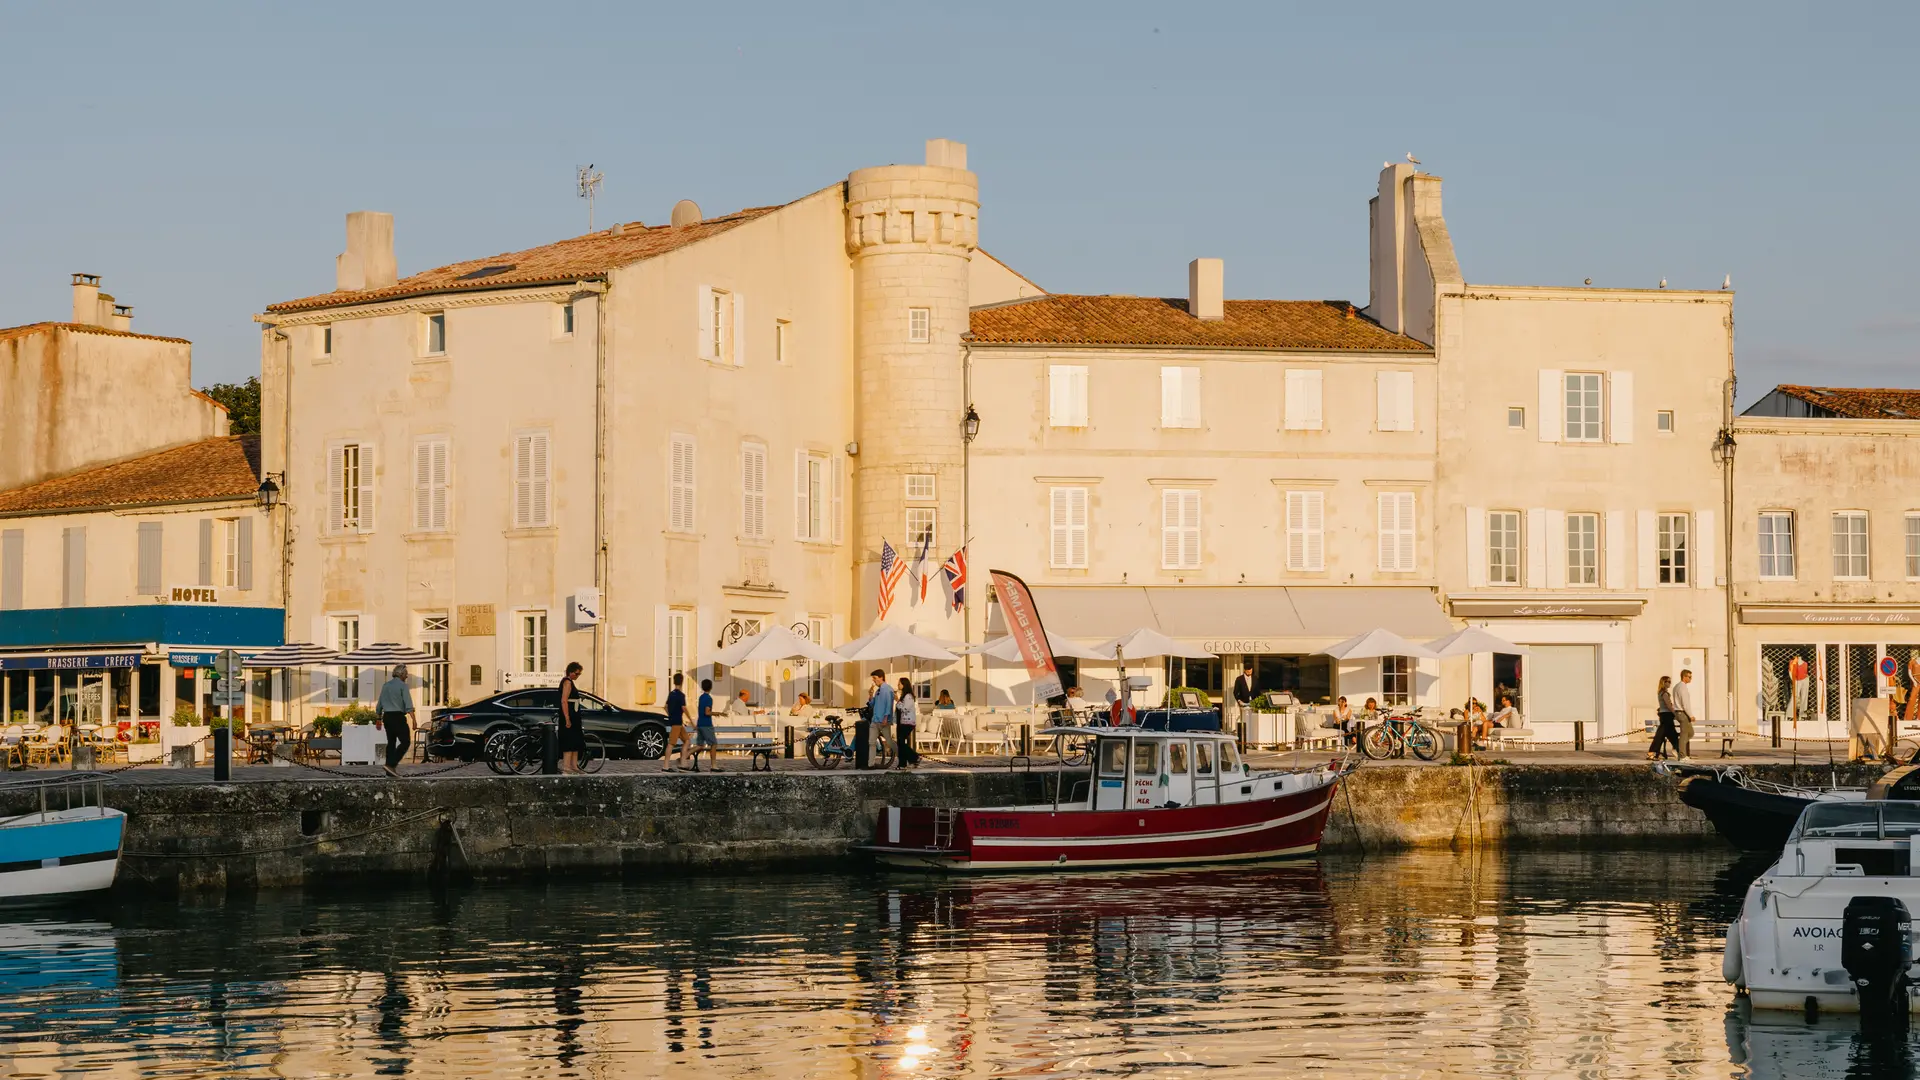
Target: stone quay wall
{"type": "Point", "coordinates": [257, 834]}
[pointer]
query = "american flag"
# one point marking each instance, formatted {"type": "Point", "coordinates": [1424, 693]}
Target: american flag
{"type": "Point", "coordinates": [891, 570]}
{"type": "Point", "coordinates": [956, 571]}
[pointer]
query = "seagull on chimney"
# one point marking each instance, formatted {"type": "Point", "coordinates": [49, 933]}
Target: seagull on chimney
{"type": "Point", "coordinates": [1411, 158]}
{"type": "Point", "coordinates": [1663, 283]}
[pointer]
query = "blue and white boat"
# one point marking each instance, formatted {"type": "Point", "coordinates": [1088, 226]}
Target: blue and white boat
{"type": "Point", "coordinates": [67, 846]}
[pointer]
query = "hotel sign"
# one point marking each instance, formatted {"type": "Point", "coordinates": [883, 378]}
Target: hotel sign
{"type": "Point", "coordinates": [1547, 609]}
{"type": "Point", "coordinates": [476, 620]}
{"type": "Point", "coordinates": [193, 594]}
{"type": "Point", "coordinates": [1835, 616]}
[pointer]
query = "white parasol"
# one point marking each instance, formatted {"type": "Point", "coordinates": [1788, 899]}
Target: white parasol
{"type": "Point", "coordinates": [1473, 640]}
{"type": "Point", "coordinates": [1374, 644]}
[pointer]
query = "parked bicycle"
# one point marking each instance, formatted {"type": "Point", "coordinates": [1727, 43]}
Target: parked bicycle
{"type": "Point", "coordinates": [519, 753]}
{"type": "Point", "coordinates": [1072, 749]}
{"type": "Point", "coordinates": [1393, 736]}
{"type": "Point", "coordinates": [828, 746]}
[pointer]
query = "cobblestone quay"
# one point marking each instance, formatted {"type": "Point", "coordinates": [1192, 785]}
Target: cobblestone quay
{"type": "Point", "coordinates": [278, 827]}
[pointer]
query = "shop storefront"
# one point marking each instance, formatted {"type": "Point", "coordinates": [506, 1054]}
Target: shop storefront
{"type": "Point", "coordinates": [1814, 665]}
{"type": "Point", "coordinates": [1276, 630]}
{"type": "Point", "coordinates": [137, 664]}
{"type": "Point", "coordinates": [1575, 669]}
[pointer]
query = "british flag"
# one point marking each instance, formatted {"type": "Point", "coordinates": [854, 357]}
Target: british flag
{"type": "Point", "coordinates": [956, 572]}
{"type": "Point", "coordinates": [892, 569]}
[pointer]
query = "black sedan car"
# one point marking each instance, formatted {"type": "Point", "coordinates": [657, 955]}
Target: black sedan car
{"type": "Point", "coordinates": [462, 731]}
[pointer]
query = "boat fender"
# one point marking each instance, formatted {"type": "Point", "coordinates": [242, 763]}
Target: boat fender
{"type": "Point", "coordinates": [1731, 962]}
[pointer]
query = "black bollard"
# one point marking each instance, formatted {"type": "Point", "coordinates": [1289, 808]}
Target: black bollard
{"type": "Point", "coordinates": [1026, 740]}
{"type": "Point", "coordinates": [789, 742]}
{"type": "Point", "coordinates": [1240, 737]}
{"type": "Point", "coordinates": [1776, 731]}
{"type": "Point", "coordinates": [550, 750]}
{"type": "Point", "coordinates": [1579, 735]}
{"type": "Point", "coordinates": [861, 748]}
{"type": "Point", "coordinates": [222, 755]}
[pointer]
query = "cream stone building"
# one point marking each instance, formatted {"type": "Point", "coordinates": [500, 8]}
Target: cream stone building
{"type": "Point", "coordinates": [91, 391]}
{"type": "Point", "coordinates": [1826, 555]}
{"type": "Point", "coordinates": [1582, 503]}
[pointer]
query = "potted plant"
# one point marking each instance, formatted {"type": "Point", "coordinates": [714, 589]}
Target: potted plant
{"type": "Point", "coordinates": [187, 729]}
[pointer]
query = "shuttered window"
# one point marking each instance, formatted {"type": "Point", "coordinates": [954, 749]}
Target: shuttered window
{"type": "Point", "coordinates": [1396, 532]}
{"type": "Point", "coordinates": [680, 484]}
{"type": "Point", "coordinates": [1303, 400]}
{"type": "Point", "coordinates": [1503, 547]}
{"type": "Point", "coordinates": [1179, 529]}
{"type": "Point", "coordinates": [753, 491]}
{"type": "Point", "coordinates": [1395, 405]}
{"type": "Point", "coordinates": [148, 579]}
{"type": "Point", "coordinates": [13, 559]}
{"type": "Point", "coordinates": [350, 471]}
{"type": "Point", "coordinates": [73, 567]}
{"type": "Point", "coordinates": [1069, 547]}
{"type": "Point", "coordinates": [205, 563]}
{"type": "Point", "coordinates": [1066, 396]}
{"type": "Point", "coordinates": [532, 480]}
{"type": "Point", "coordinates": [811, 481]}
{"type": "Point", "coordinates": [1306, 530]}
{"type": "Point", "coordinates": [430, 476]}
{"type": "Point", "coordinates": [1179, 397]}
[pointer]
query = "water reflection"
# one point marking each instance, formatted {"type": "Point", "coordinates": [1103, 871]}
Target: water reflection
{"type": "Point", "coordinates": [1522, 964]}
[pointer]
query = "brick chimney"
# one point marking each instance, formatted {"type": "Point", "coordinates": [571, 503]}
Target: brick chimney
{"type": "Point", "coordinates": [1206, 288]}
{"type": "Point", "coordinates": [368, 261]}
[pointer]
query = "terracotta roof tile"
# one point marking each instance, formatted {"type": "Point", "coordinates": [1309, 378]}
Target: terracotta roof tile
{"type": "Point", "coordinates": [1155, 321]}
{"type": "Point", "coordinates": [9, 333]}
{"type": "Point", "coordinates": [561, 261]}
{"type": "Point", "coordinates": [227, 467]}
{"type": "Point", "coordinates": [1859, 403]}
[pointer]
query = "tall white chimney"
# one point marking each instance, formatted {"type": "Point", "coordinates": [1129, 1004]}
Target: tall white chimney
{"type": "Point", "coordinates": [368, 261]}
{"type": "Point", "coordinates": [86, 299]}
{"type": "Point", "coordinates": [1206, 289]}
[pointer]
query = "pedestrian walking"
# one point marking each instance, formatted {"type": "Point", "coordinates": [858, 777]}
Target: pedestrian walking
{"type": "Point", "coordinates": [880, 713]}
{"type": "Point", "coordinates": [572, 738]}
{"type": "Point", "coordinates": [677, 724]}
{"type": "Point", "coordinates": [703, 734]}
{"type": "Point", "coordinates": [1666, 734]}
{"type": "Point", "coordinates": [906, 711]}
{"type": "Point", "coordinates": [396, 718]}
{"type": "Point", "coordinates": [1683, 713]}
{"type": "Point", "coordinates": [1243, 695]}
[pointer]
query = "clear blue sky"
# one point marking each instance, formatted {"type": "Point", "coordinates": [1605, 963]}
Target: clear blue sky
{"type": "Point", "coordinates": [201, 157]}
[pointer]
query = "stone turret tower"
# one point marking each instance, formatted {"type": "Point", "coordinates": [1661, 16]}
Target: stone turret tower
{"type": "Point", "coordinates": [911, 230]}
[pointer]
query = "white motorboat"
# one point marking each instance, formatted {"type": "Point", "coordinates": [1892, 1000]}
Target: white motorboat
{"type": "Point", "coordinates": [65, 846]}
{"type": "Point", "coordinates": [1828, 928]}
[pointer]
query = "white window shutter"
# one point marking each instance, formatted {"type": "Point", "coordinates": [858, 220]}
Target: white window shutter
{"type": "Point", "coordinates": [1169, 530]}
{"type": "Point", "coordinates": [1556, 530]}
{"type": "Point", "coordinates": [542, 481]}
{"type": "Point", "coordinates": [1190, 528]}
{"type": "Point", "coordinates": [1646, 547]}
{"type": "Point", "coordinates": [1291, 413]}
{"type": "Point", "coordinates": [1316, 522]}
{"type": "Point", "coordinates": [1553, 407]}
{"type": "Point", "coordinates": [442, 486]}
{"type": "Point", "coordinates": [739, 330]}
{"type": "Point", "coordinates": [753, 490]}
{"type": "Point", "coordinates": [703, 329]}
{"type": "Point", "coordinates": [681, 485]}
{"type": "Point", "coordinates": [839, 499]}
{"type": "Point", "coordinates": [1310, 385]}
{"type": "Point", "coordinates": [1536, 540]}
{"type": "Point", "coordinates": [1385, 417]}
{"type": "Point", "coordinates": [1476, 547]}
{"type": "Point", "coordinates": [1616, 553]}
{"type": "Point", "coordinates": [1621, 385]}
{"type": "Point", "coordinates": [802, 499]}
{"type": "Point", "coordinates": [368, 465]}
{"type": "Point", "coordinates": [336, 499]}
{"type": "Point", "coordinates": [522, 481]}
{"type": "Point", "coordinates": [1704, 540]}
{"type": "Point", "coordinates": [1170, 398]}
{"type": "Point", "coordinates": [1409, 534]}
{"type": "Point", "coordinates": [1296, 530]}
{"type": "Point", "coordinates": [1060, 553]}
{"type": "Point", "coordinates": [1388, 530]}
{"type": "Point", "coordinates": [422, 486]}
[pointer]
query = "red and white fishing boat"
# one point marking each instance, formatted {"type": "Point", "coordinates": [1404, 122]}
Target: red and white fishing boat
{"type": "Point", "coordinates": [1148, 798]}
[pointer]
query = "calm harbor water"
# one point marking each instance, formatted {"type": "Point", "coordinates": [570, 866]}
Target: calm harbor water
{"type": "Point", "coordinates": [1519, 964]}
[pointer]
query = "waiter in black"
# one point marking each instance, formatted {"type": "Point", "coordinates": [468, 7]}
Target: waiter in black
{"type": "Point", "coordinates": [1243, 692]}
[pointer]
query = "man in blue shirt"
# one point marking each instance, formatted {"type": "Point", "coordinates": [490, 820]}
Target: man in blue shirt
{"type": "Point", "coordinates": [677, 724]}
{"type": "Point", "coordinates": [703, 734]}
{"type": "Point", "coordinates": [396, 718]}
{"type": "Point", "coordinates": [880, 715]}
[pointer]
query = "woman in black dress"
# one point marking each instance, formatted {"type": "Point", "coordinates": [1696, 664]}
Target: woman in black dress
{"type": "Point", "coordinates": [572, 739]}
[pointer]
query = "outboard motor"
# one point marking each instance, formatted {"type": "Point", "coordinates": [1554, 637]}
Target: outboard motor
{"type": "Point", "coordinates": [1876, 949]}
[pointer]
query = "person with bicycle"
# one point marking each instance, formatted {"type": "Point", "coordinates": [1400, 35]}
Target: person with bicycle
{"type": "Point", "coordinates": [677, 724]}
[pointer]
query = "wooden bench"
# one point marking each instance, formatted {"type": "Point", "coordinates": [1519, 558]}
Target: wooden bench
{"type": "Point", "coordinates": [1723, 732]}
{"type": "Point", "coordinates": [757, 741]}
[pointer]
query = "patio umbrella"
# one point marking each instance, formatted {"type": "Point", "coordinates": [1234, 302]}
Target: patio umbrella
{"type": "Point", "coordinates": [890, 643]}
{"type": "Point", "coordinates": [1374, 644]}
{"type": "Point", "coordinates": [386, 654]}
{"type": "Point", "coordinates": [1145, 642]}
{"type": "Point", "coordinates": [1008, 648]}
{"type": "Point", "coordinates": [775, 644]}
{"type": "Point", "coordinates": [294, 654]}
{"type": "Point", "coordinates": [1471, 640]}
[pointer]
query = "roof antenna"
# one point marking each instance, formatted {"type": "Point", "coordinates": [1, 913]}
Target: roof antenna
{"type": "Point", "coordinates": [589, 187]}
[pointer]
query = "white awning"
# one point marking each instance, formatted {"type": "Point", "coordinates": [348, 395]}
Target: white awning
{"type": "Point", "coordinates": [1241, 618]}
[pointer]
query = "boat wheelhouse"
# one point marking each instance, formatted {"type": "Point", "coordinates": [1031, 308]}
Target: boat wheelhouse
{"type": "Point", "coordinates": [1145, 798]}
